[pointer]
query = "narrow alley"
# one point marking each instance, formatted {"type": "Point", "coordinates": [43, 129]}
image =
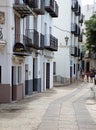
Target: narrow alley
{"type": "Point", "coordinates": [62, 108]}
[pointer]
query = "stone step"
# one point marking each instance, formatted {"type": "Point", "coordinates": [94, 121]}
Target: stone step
{"type": "Point", "coordinates": [56, 84]}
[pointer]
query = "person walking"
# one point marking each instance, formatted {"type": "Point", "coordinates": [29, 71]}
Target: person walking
{"type": "Point", "coordinates": [87, 75]}
{"type": "Point", "coordinates": [83, 75]}
{"type": "Point", "coordinates": [91, 76]}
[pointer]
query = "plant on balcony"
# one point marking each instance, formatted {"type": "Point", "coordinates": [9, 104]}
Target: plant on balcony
{"type": "Point", "coordinates": [91, 33]}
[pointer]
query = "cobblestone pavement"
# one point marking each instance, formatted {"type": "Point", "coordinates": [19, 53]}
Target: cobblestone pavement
{"type": "Point", "coordinates": [63, 108]}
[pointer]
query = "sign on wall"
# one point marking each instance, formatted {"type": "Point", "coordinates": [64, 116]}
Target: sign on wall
{"type": "Point", "coordinates": [2, 17]}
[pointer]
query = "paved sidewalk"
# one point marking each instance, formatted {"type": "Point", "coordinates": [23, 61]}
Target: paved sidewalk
{"type": "Point", "coordinates": [69, 113]}
{"type": "Point", "coordinates": [64, 108]}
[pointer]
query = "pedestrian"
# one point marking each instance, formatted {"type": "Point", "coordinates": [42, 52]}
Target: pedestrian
{"type": "Point", "coordinates": [80, 73]}
{"type": "Point", "coordinates": [87, 75]}
{"type": "Point", "coordinates": [83, 75]}
{"type": "Point", "coordinates": [91, 76]}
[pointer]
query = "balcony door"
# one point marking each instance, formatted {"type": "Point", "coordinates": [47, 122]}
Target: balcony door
{"type": "Point", "coordinates": [35, 23]}
{"type": "Point", "coordinates": [17, 28]}
{"type": "Point", "coordinates": [17, 1]}
{"type": "Point", "coordinates": [45, 32]}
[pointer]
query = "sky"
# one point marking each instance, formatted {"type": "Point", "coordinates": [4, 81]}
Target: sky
{"type": "Point", "coordinates": [84, 2]}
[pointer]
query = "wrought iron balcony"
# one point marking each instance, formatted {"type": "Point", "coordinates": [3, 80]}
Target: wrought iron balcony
{"type": "Point", "coordinates": [82, 55]}
{"type": "Point", "coordinates": [34, 36]}
{"type": "Point", "coordinates": [56, 9]}
{"type": "Point", "coordinates": [39, 9]}
{"type": "Point", "coordinates": [20, 47]}
{"type": "Point", "coordinates": [42, 37]}
{"type": "Point", "coordinates": [78, 12]}
{"type": "Point", "coordinates": [74, 51]}
{"type": "Point", "coordinates": [74, 6]}
{"type": "Point", "coordinates": [51, 7]}
{"type": "Point", "coordinates": [22, 7]}
{"type": "Point", "coordinates": [77, 33]}
{"type": "Point", "coordinates": [78, 52]}
{"type": "Point", "coordinates": [80, 37]}
{"type": "Point", "coordinates": [51, 42]}
{"type": "Point", "coordinates": [81, 18]}
{"type": "Point", "coordinates": [32, 3]}
{"type": "Point", "coordinates": [73, 28]}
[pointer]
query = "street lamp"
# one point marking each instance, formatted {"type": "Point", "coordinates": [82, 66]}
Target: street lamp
{"type": "Point", "coordinates": [66, 40]}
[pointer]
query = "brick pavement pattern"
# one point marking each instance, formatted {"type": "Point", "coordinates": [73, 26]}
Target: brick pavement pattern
{"type": "Point", "coordinates": [64, 108]}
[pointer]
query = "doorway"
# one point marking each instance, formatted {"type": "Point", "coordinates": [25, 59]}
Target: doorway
{"type": "Point", "coordinates": [70, 74]}
{"type": "Point", "coordinates": [87, 66]}
{"type": "Point", "coordinates": [47, 75]}
{"type": "Point", "coordinates": [34, 74]}
{"type": "Point", "coordinates": [26, 79]}
{"type": "Point", "coordinates": [13, 80]}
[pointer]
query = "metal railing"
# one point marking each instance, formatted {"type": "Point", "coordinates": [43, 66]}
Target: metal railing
{"type": "Point", "coordinates": [34, 36]}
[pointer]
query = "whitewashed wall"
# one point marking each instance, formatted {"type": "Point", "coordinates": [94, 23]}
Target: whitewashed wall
{"type": "Point", "coordinates": [61, 30]}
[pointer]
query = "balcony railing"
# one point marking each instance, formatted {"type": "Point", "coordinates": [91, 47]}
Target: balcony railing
{"type": "Point", "coordinates": [74, 5]}
{"type": "Point", "coordinates": [78, 52]}
{"type": "Point", "coordinates": [34, 36]}
{"type": "Point", "coordinates": [74, 51]}
{"type": "Point", "coordinates": [80, 37]}
{"type": "Point", "coordinates": [81, 18]}
{"type": "Point", "coordinates": [51, 7]}
{"type": "Point", "coordinates": [22, 7]}
{"type": "Point", "coordinates": [51, 42]}
{"type": "Point", "coordinates": [73, 28]}
{"type": "Point", "coordinates": [42, 37]}
{"type": "Point", "coordinates": [32, 3]}
{"type": "Point", "coordinates": [39, 9]}
{"type": "Point", "coordinates": [78, 12]}
{"type": "Point", "coordinates": [20, 47]}
{"type": "Point", "coordinates": [77, 33]}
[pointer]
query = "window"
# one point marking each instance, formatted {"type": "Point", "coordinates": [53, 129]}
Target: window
{"type": "Point", "coordinates": [35, 23]}
{"type": "Point", "coordinates": [54, 68]}
{"type": "Point", "coordinates": [74, 68]}
{"type": "Point", "coordinates": [0, 74]}
{"type": "Point", "coordinates": [14, 75]}
{"type": "Point", "coordinates": [19, 74]}
{"type": "Point", "coordinates": [50, 30]}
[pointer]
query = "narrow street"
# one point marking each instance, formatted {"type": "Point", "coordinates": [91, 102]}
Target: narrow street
{"type": "Point", "coordinates": [63, 108]}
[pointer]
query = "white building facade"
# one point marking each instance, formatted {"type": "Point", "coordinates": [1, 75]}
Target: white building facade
{"type": "Point", "coordinates": [68, 30]}
{"type": "Point", "coordinates": [27, 47]}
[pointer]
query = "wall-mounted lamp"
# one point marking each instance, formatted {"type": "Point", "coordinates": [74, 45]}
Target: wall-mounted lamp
{"type": "Point", "coordinates": [66, 40]}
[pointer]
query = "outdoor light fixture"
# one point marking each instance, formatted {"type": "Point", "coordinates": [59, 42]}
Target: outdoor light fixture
{"type": "Point", "coordinates": [66, 40]}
